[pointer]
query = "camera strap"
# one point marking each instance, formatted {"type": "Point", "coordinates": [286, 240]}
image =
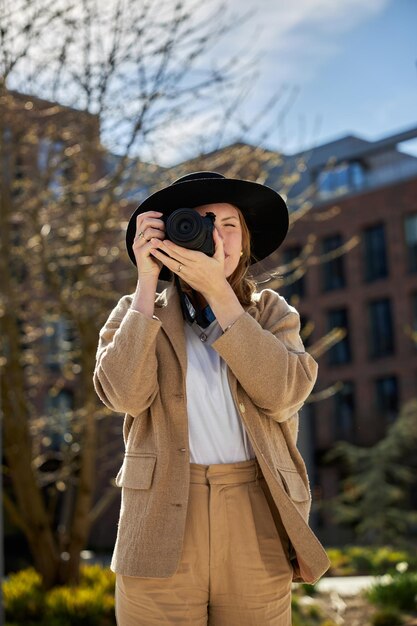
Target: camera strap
{"type": "Point", "coordinates": [192, 312]}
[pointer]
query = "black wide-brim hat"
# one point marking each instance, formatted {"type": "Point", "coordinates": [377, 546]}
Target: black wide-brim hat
{"type": "Point", "coordinates": [264, 210]}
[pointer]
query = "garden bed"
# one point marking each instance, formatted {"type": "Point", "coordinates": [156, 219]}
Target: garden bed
{"type": "Point", "coordinates": [389, 600]}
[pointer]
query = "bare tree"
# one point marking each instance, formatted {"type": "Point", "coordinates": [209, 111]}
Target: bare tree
{"type": "Point", "coordinates": [125, 75]}
{"type": "Point", "coordinates": [124, 71]}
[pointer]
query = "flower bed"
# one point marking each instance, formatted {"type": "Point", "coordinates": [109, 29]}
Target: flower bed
{"type": "Point", "coordinates": [369, 561]}
{"type": "Point", "coordinates": [91, 603]}
{"type": "Point", "coordinates": [391, 601]}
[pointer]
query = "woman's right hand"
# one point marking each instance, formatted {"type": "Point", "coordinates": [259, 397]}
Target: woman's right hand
{"type": "Point", "coordinates": [148, 225]}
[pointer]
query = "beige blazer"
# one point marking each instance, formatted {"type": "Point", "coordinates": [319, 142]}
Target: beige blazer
{"type": "Point", "coordinates": [141, 371]}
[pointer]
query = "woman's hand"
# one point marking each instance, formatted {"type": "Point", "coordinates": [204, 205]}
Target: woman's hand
{"type": "Point", "coordinates": [203, 273]}
{"type": "Point", "coordinates": [149, 227]}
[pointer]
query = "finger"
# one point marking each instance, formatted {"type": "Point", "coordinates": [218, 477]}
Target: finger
{"type": "Point", "coordinates": [177, 252]}
{"type": "Point", "coordinates": [169, 262]}
{"type": "Point", "coordinates": [145, 219]}
{"type": "Point", "coordinates": [152, 233]}
{"type": "Point", "coordinates": [143, 256]}
{"type": "Point", "coordinates": [151, 223]}
{"type": "Point", "coordinates": [146, 214]}
{"type": "Point", "coordinates": [145, 224]}
{"type": "Point", "coordinates": [218, 243]}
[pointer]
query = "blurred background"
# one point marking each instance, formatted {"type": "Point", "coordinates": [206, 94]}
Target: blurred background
{"type": "Point", "coordinates": [103, 103]}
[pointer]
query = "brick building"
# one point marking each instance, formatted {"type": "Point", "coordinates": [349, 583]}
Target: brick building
{"type": "Point", "coordinates": [364, 197]}
{"type": "Point", "coordinates": [360, 274]}
{"type": "Point", "coordinates": [357, 242]}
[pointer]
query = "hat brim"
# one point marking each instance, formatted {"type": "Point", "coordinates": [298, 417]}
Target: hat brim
{"type": "Point", "coordinates": [264, 210]}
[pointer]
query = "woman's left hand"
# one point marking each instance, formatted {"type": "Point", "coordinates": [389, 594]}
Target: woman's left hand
{"type": "Point", "coordinates": [203, 273]}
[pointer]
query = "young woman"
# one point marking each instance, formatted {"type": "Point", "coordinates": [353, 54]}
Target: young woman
{"type": "Point", "coordinates": [215, 495]}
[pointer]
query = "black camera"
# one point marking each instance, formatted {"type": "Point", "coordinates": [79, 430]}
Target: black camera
{"type": "Point", "coordinates": [189, 229]}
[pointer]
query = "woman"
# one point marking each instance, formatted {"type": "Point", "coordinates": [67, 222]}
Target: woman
{"type": "Point", "coordinates": [215, 496]}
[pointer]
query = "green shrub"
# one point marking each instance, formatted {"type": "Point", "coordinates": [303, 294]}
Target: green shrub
{"type": "Point", "coordinates": [75, 605]}
{"type": "Point", "coordinates": [305, 611]}
{"type": "Point", "coordinates": [398, 591]}
{"type": "Point", "coordinates": [387, 617]}
{"type": "Point", "coordinates": [309, 589]}
{"type": "Point", "coordinates": [340, 562]}
{"type": "Point", "coordinates": [23, 596]}
{"type": "Point", "coordinates": [386, 559]}
{"type": "Point", "coordinates": [314, 611]}
{"type": "Point", "coordinates": [361, 559]}
{"type": "Point", "coordinates": [357, 560]}
{"type": "Point", "coordinates": [91, 603]}
{"type": "Point", "coordinates": [97, 576]}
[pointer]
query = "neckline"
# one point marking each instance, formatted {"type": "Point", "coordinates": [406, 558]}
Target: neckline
{"type": "Point", "coordinates": [203, 333]}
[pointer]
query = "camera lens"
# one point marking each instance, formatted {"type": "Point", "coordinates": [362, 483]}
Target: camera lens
{"type": "Point", "coordinates": [185, 227]}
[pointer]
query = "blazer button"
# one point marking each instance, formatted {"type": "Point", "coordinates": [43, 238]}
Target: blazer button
{"type": "Point", "coordinates": [242, 407]}
{"type": "Point", "coordinates": [182, 449]}
{"type": "Point", "coordinates": [176, 504]}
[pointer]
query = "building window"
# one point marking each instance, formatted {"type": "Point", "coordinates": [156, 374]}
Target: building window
{"type": "Point", "coordinates": [375, 254]}
{"type": "Point", "coordinates": [340, 352]}
{"type": "Point", "coordinates": [58, 410]}
{"type": "Point", "coordinates": [293, 273]}
{"type": "Point", "coordinates": [340, 179]}
{"type": "Point", "coordinates": [381, 332]}
{"type": "Point", "coordinates": [58, 341]}
{"type": "Point", "coordinates": [386, 392]}
{"type": "Point", "coordinates": [344, 412]}
{"type": "Point", "coordinates": [55, 165]}
{"type": "Point", "coordinates": [333, 268]}
{"type": "Point", "coordinates": [410, 225]}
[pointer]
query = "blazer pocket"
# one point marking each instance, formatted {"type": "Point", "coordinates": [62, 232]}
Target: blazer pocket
{"type": "Point", "coordinates": [294, 484]}
{"type": "Point", "coordinates": [137, 471]}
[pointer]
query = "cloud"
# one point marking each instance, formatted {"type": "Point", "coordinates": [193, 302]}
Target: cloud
{"type": "Point", "coordinates": [296, 38]}
{"type": "Point", "coordinates": [280, 17]}
{"type": "Point", "coordinates": [183, 139]}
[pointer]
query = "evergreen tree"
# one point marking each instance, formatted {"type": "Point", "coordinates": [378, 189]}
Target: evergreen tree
{"type": "Point", "coordinates": [377, 499]}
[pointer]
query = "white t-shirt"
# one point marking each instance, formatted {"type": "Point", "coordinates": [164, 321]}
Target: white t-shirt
{"type": "Point", "coordinates": [216, 431]}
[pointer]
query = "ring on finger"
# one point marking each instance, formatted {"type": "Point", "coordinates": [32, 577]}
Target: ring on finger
{"type": "Point", "coordinates": [180, 266]}
{"type": "Point", "coordinates": [139, 235]}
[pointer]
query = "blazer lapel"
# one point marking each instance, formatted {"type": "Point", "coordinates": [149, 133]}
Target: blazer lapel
{"type": "Point", "coordinates": [168, 311]}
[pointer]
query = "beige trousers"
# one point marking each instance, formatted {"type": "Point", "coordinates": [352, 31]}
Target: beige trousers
{"type": "Point", "coordinates": [234, 569]}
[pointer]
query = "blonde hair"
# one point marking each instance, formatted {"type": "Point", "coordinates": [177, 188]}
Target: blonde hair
{"type": "Point", "coordinates": [243, 286]}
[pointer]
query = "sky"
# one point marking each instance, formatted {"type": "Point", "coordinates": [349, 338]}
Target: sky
{"type": "Point", "coordinates": [342, 66]}
{"type": "Point", "coordinates": [352, 62]}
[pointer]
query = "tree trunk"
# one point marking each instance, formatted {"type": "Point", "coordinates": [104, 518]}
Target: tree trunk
{"type": "Point", "coordinates": [82, 521]}
{"type": "Point", "coordinates": [30, 514]}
